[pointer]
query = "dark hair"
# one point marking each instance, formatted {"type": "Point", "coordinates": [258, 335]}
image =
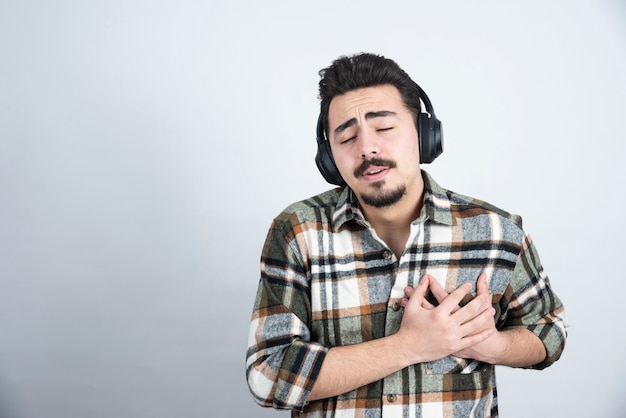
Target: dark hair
{"type": "Point", "coordinates": [362, 70]}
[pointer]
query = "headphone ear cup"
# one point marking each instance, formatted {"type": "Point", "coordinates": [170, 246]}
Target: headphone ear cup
{"type": "Point", "coordinates": [324, 157]}
{"type": "Point", "coordinates": [430, 138]}
{"type": "Point", "coordinates": [326, 164]}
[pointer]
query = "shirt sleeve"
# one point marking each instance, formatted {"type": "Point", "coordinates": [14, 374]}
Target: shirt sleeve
{"type": "Point", "coordinates": [282, 362]}
{"type": "Point", "coordinates": [534, 306]}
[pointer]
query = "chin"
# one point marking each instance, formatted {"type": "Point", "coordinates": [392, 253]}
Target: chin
{"type": "Point", "coordinates": [383, 198]}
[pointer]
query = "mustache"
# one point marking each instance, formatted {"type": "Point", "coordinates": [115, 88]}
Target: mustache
{"type": "Point", "coordinates": [380, 162]}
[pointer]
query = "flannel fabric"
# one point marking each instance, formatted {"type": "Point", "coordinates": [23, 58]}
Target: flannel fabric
{"type": "Point", "coordinates": [327, 280]}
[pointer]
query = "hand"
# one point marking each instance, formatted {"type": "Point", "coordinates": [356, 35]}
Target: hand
{"type": "Point", "coordinates": [431, 333]}
{"type": "Point", "coordinates": [486, 350]}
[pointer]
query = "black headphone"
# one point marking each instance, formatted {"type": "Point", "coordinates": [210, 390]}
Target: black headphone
{"type": "Point", "coordinates": [429, 133]}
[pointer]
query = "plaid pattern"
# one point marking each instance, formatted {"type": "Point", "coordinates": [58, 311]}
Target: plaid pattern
{"type": "Point", "coordinates": [327, 280]}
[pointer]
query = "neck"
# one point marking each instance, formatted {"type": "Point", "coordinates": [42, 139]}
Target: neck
{"type": "Point", "coordinates": [393, 223]}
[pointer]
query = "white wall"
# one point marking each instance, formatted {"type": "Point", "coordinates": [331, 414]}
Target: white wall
{"type": "Point", "coordinates": [146, 145]}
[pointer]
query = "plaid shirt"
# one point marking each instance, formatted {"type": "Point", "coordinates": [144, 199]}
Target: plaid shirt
{"type": "Point", "coordinates": [327, 280]}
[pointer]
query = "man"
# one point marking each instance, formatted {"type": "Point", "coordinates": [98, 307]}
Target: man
{"type": "Point", "coordinates": [391, 296]}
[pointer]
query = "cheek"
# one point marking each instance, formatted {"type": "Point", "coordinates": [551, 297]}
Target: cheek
{"type": "Point", "coordinates": [343, 163]}
{"type": "Point", "coordinates": [411, 149]}
{"type": "Point", "coordinates": [340, 157]}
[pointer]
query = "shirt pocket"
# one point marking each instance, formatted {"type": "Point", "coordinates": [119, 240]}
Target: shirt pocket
{"type": "Point", "coordinates": [455, 365]}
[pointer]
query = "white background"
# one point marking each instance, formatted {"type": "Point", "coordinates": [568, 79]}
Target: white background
{"type": "Point", "coordinates": [145, 147]}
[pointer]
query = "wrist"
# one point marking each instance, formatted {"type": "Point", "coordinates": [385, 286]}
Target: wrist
{"type": "Point", "coordinates": [497, 346]}
{"type": "Point", "coordinates": [405, 348]}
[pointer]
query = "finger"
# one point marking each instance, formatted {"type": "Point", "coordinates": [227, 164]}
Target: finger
{"type": "Point", "coordinates": [476, 307]}
{"type": "Point", "coordinates": [451, 302]}
{"type": "Point", "coordinates": [482, 321]}
{"type": "Point", "coordinates": [482, 286]}
{"type": "Point", "coordinates": [482, 300]}
{"type": "Point", "coordinates": [417, 294]}
{"type": "Point", "coordinates": [478, 337]}
{"type": "Point", "coordinates": [436, 289]}
{"type": "Point", "coordinates": [427, 305]}
{"type": "Point", "coordinates": [408, 292]}
{"type": "Point", "coordinates": [440, 293]}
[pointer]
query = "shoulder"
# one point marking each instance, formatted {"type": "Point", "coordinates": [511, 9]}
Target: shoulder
{"type": "Point", "coordinates": [316, 209]}
{"type": "Point", "coordinates": [470, 213]}
{"type": "Point", "coordinates": [463, 206]}
{"type": "Point", "coordinates": [315, 203]}
{"type": "Point", "coordinates": [483, 217]}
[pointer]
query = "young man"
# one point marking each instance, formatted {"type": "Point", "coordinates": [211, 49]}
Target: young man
{"type": "Point", "coordinates": [391, 296]}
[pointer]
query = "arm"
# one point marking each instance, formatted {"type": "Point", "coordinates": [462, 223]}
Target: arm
{"type": "Point", "coordinates": [534, 306]}
{"type": "Point", "coordinates": [282, 362]}
{"type": "Point", "coordinates": [349, 367]}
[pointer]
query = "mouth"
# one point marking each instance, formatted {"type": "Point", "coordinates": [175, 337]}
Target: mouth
{"type": "Point", "coordinates": [374, 169]}
{"type": "Point", "coordinates": [374, 174]}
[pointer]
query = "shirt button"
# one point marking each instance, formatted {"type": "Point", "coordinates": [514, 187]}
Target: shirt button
{"type": "Point", "coordinates": [391, 397]}
{"type": "Point", "coordinates": [396, 306]}
{"type": "Point", "coordinates": [387, 255]}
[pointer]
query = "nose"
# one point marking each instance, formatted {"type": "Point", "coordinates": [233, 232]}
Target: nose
{"type": "Point", "coordinates": [368, 143]}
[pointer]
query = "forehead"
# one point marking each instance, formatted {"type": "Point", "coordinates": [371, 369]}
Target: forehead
{"type": "Point", "coordinates": [369, 99]}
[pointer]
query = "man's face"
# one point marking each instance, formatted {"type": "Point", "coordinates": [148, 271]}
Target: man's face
{"type": "Point", "coordinates": [374, 142]}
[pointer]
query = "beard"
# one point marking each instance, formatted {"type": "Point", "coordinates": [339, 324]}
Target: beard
{"type": "Point", "coordinates": [380, 198]}
{"type": "Point", "coordinates": [383, 198]}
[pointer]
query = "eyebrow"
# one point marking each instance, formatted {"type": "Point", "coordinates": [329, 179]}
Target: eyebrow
{"type": "Point", "coordinates": [369, 115]}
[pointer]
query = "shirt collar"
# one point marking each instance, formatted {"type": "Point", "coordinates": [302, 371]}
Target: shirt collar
{"type": "Point", "coordinates": [436, 206]}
